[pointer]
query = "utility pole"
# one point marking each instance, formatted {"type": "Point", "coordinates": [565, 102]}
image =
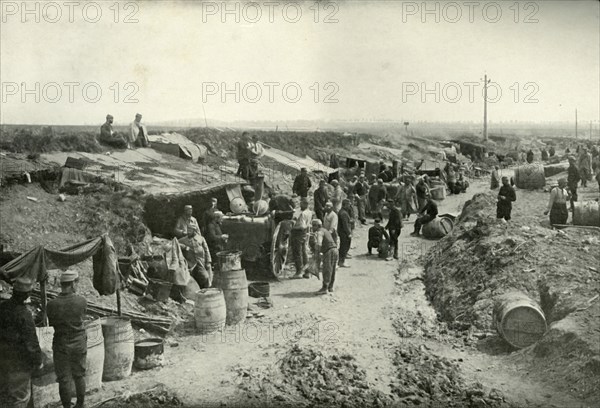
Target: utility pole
{"type": "Point", "coordinates": [590, 130]}
{"type": "Point", "coordinates": [485, 82]}
{"type": "Point", "coordinates": [204, 112]}
{"type": "Point", "coordinates": [575, 123]}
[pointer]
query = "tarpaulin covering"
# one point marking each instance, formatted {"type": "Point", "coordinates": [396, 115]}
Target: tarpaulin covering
{"type": "Point", "coordinates": [70, 174]}
{"type": "Point", "coordinates": [34, 263]}
{"type": "Point", "coordinates": [178, 145]}
{"type": "Point", "coordinates": [276, 160]}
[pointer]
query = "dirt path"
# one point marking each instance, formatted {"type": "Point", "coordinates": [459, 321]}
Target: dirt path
{"type": "Point", "coordinates": [371, 296]}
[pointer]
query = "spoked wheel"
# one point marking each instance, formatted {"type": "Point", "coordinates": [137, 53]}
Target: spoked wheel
{"type": "Point", "coordinates": [279, 251]}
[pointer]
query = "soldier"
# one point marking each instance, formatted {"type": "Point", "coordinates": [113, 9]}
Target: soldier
{"type": "Point", "coordinates": [20, 352]}
{"type": "Point", "coordinates": [66, 314]}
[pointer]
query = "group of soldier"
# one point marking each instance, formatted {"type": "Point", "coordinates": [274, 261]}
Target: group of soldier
{"type": "Point", "coordinates": [137, 136]}
{"type": "Point", "coordinates": [20, 352]}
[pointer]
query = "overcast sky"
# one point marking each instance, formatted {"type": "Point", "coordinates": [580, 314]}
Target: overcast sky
{"type": "Point", "coordinates": [372, 60]}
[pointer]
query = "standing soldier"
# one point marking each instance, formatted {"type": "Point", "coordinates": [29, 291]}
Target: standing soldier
{"type": "Point", "coordinates": [572, 180]}
{"type": "Point", "coordinates": [255, 153]}
{"type": "Point", "coordinates": [506, 196]}
{"type": "Point", "coordinates": [585, 166]}
{"type": "Point", "coordinates": [360, 194]}
{"type": "Point", "coordinates": [66, 314]}
{"type": "Point", "coordinates": [321, 196]}
{"type": "Point", "coordinates": [302, 183]}
{"type": "Point", "coordinates": [326, 252]}
{"type": "Point", "coordinates": [557, 206]}
{"type": "Point", "coordinates": [394, 225]}
{"type": "Point", "coordinates": [20, 352]}
{"type": "Point", "coordinates": [243, 156]}
{"type": "Point", "coordinates": [344, 232]}
{"type": "Point", "coordinates": [301, 221]}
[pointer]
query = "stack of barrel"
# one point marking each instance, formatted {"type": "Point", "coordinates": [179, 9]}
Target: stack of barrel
{"type": "Point", "coordinates": [227, 301]}
{"type": "Point", "coordinates": [231, 279]}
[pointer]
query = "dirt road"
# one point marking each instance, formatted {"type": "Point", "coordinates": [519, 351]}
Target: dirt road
{"type": "Point", "coordinates": [377, 305]}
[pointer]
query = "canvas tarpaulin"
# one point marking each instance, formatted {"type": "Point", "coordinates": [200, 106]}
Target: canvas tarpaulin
{"type": "Point", "coordinates": [34, 263]}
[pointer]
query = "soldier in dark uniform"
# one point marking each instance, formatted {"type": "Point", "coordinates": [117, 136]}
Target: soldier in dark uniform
{"type": "Point", "coordinates": [506, 196]}
{"type": "Point", "coordinates": [20, 352]}
{"type": "Point", "coordinates": [66, 314]}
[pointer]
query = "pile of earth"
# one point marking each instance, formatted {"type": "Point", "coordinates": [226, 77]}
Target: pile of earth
{"type": "Point", "coordinates": [306, 376]}
{"type": "Point", "coordinates": [424, 379]}
{"type": "Point", "coordinates": [46, 139]}
{"type": "Point", "coordinates": [483, 258]}
{"type": "Point", "coordinates": [32, 214]}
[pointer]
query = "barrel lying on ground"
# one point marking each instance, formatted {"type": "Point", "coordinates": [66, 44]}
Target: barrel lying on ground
{"type": "Point", "coordinates": [518, 319]}
{"type": "Point", "coordinates": [438, 228]}
{"type": "Point", "coordinates": [530, 176]}
{"type": "Point", "coordinates": [586, 213]}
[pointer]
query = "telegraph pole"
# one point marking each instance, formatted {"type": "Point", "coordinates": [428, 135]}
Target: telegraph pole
{"type": "Point", "coordinates": [485, 82]}
{"type": "Point", "coordinates": [575, 123]}
{"type": "Point", "coordinates": [590, 130]}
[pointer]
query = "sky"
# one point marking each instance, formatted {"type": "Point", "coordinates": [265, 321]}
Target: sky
{"type": "Point", "coordinates": [285, 61]}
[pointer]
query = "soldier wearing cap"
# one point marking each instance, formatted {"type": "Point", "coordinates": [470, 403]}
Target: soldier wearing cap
{"type": "Point", "coordinates": [187, 225]}
{"type": "Point", "coordinates": [326, 252]}
{"type": "Point", "coordinates": [66, 314]}
{"type": "Point", "coordinates": [19, 348]}
{"type": "Point", "coordinates": [301, 222]}
{"type": "Point", "coordinates": [138, 133]}
{"type": "Point", "coordinates": [302, 183]}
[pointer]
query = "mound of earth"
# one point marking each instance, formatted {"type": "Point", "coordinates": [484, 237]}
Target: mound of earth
{"type": "Point", "coordinates": [483, 258]}
{"type": "Point", "coordinates": [306, 376]}
{"type": "Point", "coordinates": [425, 379]}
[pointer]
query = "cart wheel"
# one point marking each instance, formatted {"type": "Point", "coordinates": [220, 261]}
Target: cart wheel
{"type": "Point", "coordinates": [278, 256]}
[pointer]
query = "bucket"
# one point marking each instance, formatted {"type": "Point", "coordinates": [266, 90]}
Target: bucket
{"type": "Point", "coordinates": [118, 348]}
{"type": "Point", "coordinates": [235, 291]}
{"type": "Point", "coordinates": [586, 213]}
{"type": "Point", "coordinates": [259, 289]}
{"type": "Point", "coordinates": [437, 228]}
{"type": "Point", "coordinates": [519, 320]}
{"type": "Point", "coordinates": [209, 310]}
{"type": "Point", "coordinates": [149, 353]}
{"type": "Point", "coordinates": [159, 289]}
{"type": "Point", "coordinates": [230, 260]}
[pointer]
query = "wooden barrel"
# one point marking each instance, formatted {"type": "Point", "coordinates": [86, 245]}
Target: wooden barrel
{"type": "Point", "coordinates": [44, 387]}
{"type": "Point", "coordinates": [235, 290]}
{"type": "Point", "coordinates": [118, 348]}
{"type": "Point", "coordinates": [438, 193]}
{"type": "Point", "coordinates": [209, 310]}
{"type": "Point", "coordinates": [586, 213]}
{"type": "Point", "coordinates": [438, 228]}
{"type": "Point", "coordinates": [518, 319]}
{"type": "Point", "coordinates": [149, 353]}
{"type": "Point", "coordinates": [95, 356]}
{"type": "Point", "coordinates": [530, 176]}
{"type": "Point", "coordinates": [230, 260]}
